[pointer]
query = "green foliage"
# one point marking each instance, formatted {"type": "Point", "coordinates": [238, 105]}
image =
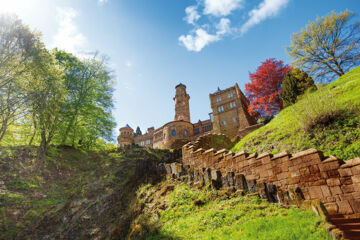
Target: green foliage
{"type": "Point", "coordinates": [339, 137]}
{"type": "Point", "coordinates": [87, 111]}
{"type": "Point", "coordinates": [235, 218]}
{"type": "Point", "coordinates": [295, 83]}
{"type": "Point", "coordinates": [50, 97]}
{"type": "Point", "coordinates": [327, 47]}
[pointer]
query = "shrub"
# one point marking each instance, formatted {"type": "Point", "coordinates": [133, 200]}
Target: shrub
{"type": "Point", "coordinates": [317, 109]}
{"type": "Point", "coordinates": [295, 83]}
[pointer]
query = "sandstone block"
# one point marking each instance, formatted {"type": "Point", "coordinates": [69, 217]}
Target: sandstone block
{"type": "Point", "coordinates": [335, 190]}
{"type": "Point", "coordinates": [315, 192]}
{"type": "Point", "coordinates": [355, 170]}
{"type": "Point", "coordinates": [345, 172]}
{"type": "Point", "coordinates": [333, 173]}
{"type": "Point", "coordinates": [355, 204]}
{"type": "Point", "coordinates": [331, 182]}
{"type": "Point", "coordinates": [344, 207]}
{"type": "Point", "coordinates": [346, 180]}
{"type": "Point", "coordinates": [325, 191]}
{"type": "Point", "coordinates": [347, 188]}
{"type": "Point", "coordinates": [356, 179]}
{"type": "Point", "coordinates": [314, 169]}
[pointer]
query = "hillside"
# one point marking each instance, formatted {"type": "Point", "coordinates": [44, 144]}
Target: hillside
{"type": "Point", "coordinates": [172, 210]}
{"type": "Point", "coordinates": [72, 194]}
{"type": "Point", "coordinates": [119, 194]}
{"type": "Point", "coordinates": [327, 119]}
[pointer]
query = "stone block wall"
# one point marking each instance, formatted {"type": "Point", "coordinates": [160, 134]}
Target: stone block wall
{"type": "Point", "coordinates": [332, 181]}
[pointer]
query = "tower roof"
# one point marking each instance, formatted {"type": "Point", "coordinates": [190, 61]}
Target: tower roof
{"type": "Point", "coordinates": [180, 85]}
{"type": "Point", "coordinates": [127, 126]}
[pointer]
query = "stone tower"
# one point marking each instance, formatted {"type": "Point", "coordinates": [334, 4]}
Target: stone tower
{"type": "Point", "coordinates": [182, 110]}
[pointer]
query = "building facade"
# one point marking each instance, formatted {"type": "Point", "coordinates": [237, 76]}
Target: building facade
{"type": "Point", "coordinates": [229, 115]}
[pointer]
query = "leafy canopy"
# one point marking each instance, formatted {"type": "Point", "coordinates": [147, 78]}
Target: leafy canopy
{"type": "Point", "coordinates": [328, 47]}
{"type": "Point", "coordinates": [264, 89]}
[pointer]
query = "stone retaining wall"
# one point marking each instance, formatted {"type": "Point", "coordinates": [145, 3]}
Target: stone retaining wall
{"type": "Point", "coordinates": [328, 179]}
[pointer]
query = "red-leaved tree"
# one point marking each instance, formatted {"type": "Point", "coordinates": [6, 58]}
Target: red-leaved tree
{"type": "Point", "coordinates": [264, 89]}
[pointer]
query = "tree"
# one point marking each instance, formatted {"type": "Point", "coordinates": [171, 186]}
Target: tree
{"type": "Point", "coordinates": [17, 44]}
{"type": "Point", "coordinates": [45, 95]}
{"type": "Point", "coordinates": [327, 47]}
{"type": "Point", "coordinates": [138, 131]}
{"type": "Point", "coordinates": [295, 83]}
{"type": "Point", "coordinates": [87, 112]}
{"type": "Point", "coordinates": [264, 89]}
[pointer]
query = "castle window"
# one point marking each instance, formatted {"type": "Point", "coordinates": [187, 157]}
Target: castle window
{"type": "Point", "coordinates": [235, 120]}
{"type": "Point", "coordinates": [142, 143]}
{"type": "Point", "coordinates": [173, 132]}
{"type": "Point", "coordinates": [218, 99]}
{"type": "Point", "coordinates": [232, 104]}
{"type": "Point", "coordinates": [185, 133]}
{"type": "Point", "coordinates": [230, 95]}
{"type": "Point", "coordinates": [196, 131]}
{"type": "Point", "coordinates": [147, 142]}
{"type": "Point", "coordinates": [221, 109]}
{"type": "Point", "coordinates": [223, 123]}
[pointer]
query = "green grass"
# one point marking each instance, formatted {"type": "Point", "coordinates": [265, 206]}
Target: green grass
{"type": "Point", "coordinates": [339, 137]}
{"type": "Point", "coordinates": [235, 218]}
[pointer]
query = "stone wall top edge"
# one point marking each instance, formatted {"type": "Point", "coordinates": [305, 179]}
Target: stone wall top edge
{"type": "Point", "coordinates": [241, 153]}
{"type": "Point", "coordinates": [221, 151]}
{"type": "Point", "coordinates": [264, 155]}
{"type": "Point", "coordinates": [351, 163]}
{"type": "Point", "coordinates": [280, 155]}
{"type": "Point", "coordinates": [210, 150]}
{"type": "Point", "coordinates": [199, 150]}
{"type": "Point", "coordinates": [305, 153]}
{"type": "Point", "coordinates": [252, 155]}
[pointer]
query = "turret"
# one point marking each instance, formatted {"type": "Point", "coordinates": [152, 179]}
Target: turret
{"type": "Point", "coordinates": [182, 109]}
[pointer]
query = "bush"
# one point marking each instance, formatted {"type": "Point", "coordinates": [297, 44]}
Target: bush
{"type": "Point", "coordinates": [317, 109]}
{"type": "Point", "coordinates": [295, 84]}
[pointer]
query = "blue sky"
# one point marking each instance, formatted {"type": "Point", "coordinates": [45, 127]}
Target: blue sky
{"type": "Point", "coordinates": [155, 44]}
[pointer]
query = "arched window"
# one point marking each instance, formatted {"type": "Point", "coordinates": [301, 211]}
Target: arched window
{"type": "Point", "coordinates": [185, 133]}
{"type": "Point", "coordinates": [173, 132]}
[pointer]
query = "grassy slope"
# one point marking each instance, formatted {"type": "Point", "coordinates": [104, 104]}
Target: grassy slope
{"type": "Point", "coordinates": [71, 194]}
{"type": "Point", "coordinates": [340, 138]}
{"type": "Point", "coordinates": [222, 217]}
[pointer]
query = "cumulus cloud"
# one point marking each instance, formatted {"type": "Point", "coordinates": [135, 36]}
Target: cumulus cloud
{"type": "Point", "coordinates": [223, 27]}
{"type": "Point", "coordinates": [197, 41]}
{"type": "Point", "coordinates": [266, 9]}
{"type": "Point", "coordinates": [68, 36]}
{"type": "Point", "coordinates": [210, 20]}
{"type": "Point", "coordinates": [191, 14]}
{"type": "Point", "coordinates": [201, 38]}
{"type": "Point", "coordinates": [220, 8]}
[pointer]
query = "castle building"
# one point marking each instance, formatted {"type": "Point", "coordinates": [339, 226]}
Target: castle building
{"type": "Point", "coordinates": [229, 116]}
{"type": "Point", "coordinates": [126, 136]}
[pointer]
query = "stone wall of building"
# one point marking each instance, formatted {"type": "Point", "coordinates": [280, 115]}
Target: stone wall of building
{"type": "Point", "coordinates": [328, 179]}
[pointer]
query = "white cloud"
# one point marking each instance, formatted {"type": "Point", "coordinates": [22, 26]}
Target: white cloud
{"type": "Point", "coordinates": [198, 41]}
{"type": "Point", "coordinates": [68, 37]}
{"type": "Point", "coordinates": [223, 27]}
{"type": "Point", "coordinates": [191, 14]}
{"type": "Point", "coordinates": [221, 7]}
{"type": "Point", "coordinates": [201, 38]}
{"type": "Point", "coordinates": [266, 9]}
